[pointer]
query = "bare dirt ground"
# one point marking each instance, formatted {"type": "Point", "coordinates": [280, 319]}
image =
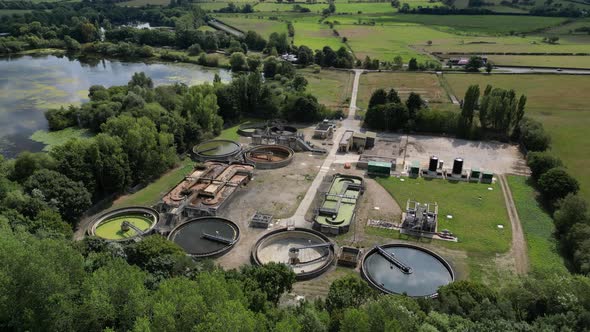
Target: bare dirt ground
{"type": "Point", "coordinates": [277, 192]}
{"type": "Point", "coordinates": [492, 156]}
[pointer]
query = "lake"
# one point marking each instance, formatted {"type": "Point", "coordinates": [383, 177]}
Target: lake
{"type": "Point", "coordinates": [29, 85]}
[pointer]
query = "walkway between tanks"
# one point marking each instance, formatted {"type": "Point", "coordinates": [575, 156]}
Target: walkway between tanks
{"type": "Point", "coordinates": [298, 219]}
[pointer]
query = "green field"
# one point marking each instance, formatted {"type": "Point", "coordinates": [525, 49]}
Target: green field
{"type": "Point", "coordinates": [386, 42]}
{"type": "Point", "coordinates": [559, 101]}
{"type": "Point", "coordinates": [541, 61]}
{"type": "Point", "coordinates": [537, 226]}
{"type": "Point", "coordinates": [287, 7]}
{"type": "Point", "coordinates": [315, 36]}
{"type": "Point", "coordinates": [262, 26]}
{"type": "Point", "coordinates": [476, 211]}
{"type": "Point", "coordinates": [364, 8]}
{"type": "Point", "coordinates": [427, 85]}
{"type": "Point", "coordinates": [331, 87]}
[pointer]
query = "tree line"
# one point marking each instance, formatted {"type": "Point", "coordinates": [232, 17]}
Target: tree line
{"type": "Point", "coordinates": [54, 284]}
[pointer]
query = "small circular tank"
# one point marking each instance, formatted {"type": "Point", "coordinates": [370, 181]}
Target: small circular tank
{"type": "Point", "coordinates": [406, 269]}
{"type": "Point", "coordinates": [124, 224]}
{"type": "Point", "coordinates": [206, 236]}
{"type": "Point", "coordinates": [217, 150]}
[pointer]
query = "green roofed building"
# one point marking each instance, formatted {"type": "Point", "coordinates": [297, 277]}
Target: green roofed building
{"type": "Point", "coordinates": [379, 168]}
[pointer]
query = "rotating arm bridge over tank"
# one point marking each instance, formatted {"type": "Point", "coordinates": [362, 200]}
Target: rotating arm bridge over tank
{"type": "Point", "coordinates": [307, 252]}
{"type": "Point", "coordinates": [124, 224]}
{"type": "Point", "coordinates": [387, 269]}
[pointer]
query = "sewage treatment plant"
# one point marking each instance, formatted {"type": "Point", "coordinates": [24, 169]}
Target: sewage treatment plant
{"type": "Point", "coordinates": [193, 214]}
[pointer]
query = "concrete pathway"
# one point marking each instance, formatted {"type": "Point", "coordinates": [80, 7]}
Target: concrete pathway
{"type": "Point", "coordinates": [519, 245]}
{"type": "Point", "coordinates": [298, 219]}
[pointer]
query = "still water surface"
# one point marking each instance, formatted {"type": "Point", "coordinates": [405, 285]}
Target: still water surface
{"type": "Point", "coordinates": [29, 85]}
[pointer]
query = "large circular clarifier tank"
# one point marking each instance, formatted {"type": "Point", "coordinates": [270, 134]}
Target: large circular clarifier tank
{"type": "Point", "coordinates": [206, 236]}
{"type": "Point", "coordinates": [275, 247]}
{"type": "Point", "coordinates": [269, 156]}
{"type": "Point", "coordinates": [113, 225]}
{"type": "Point", "coordinates": [217, 150]}
{"type": "Point", "coordinates": [427, 270]}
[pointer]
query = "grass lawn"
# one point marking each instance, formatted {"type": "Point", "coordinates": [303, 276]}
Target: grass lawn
{"type": "Point", "coordinates": [150, 195]}
{"type": "Point", "coordinates": [537, 226]}
{"type": "Point", "coordinates": [427, 85]}
{"type": "Point", "coordinates": [475, 221]}
{"type": "Point", "coordinates": [331, 87]}
{"type": "Point", "coordinates": [476, 211]}
{"type": "Point", "coordinates": [262, 26]}
{"type": "Point", "coordinates": [541, 61]}
{"type": "Point", "coordinates": [559, 102]}
{"type": "Point", "coordinates": [55, 138]}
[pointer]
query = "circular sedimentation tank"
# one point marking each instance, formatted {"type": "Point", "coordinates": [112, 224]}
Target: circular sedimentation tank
{"type": "Point", "coordinates": [217, 150]}
{"type": "Point", "coordinates": [411, 270]}
{"type": "Point", "coordinates": [270, 156]}
{"type": "Point", "coordinates": [124, 224]}
{"type": "Point", "coordinates": [250, 129]}
{"type": "Point", "coordinates": [315, 252]}
{"type": "Point", "coordinates": [206, 236]}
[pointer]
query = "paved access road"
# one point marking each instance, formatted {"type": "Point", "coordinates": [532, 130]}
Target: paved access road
{"type": "Point", "coordinates": [298, 219]}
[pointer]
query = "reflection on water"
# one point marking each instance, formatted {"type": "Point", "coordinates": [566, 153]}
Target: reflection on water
{"type": "Point", "coordinates": [29, 85]}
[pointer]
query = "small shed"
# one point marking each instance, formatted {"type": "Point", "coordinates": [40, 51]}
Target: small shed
{"type": "Point", "coordinates": [475, 174]}
{"type": "Point", "coordinates": [379, 168]}
{"type": "Point", "coordinates": [487, 177]}
{"type": "Point", "coordinates": [414, 168]}
{"type": "Point", "coordinates": [359, 141]}
{"type": "Point", "coordinates": [371, 136]}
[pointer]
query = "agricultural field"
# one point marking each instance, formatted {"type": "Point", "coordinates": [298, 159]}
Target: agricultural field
{"type": "Point", "coordinates": [461, 24]}
{"type": "Point", "coordinates": [262, 26]}
{"type": "Point", "coordinates": [315, 36]}
{"type": "Point", "coordinates": [331, 87]}
{"type": "Point", "coordinates": [537, 226]}
{"type": "Point", "coordinates": [553, 61]}
{"type": "Point", "coordinates": [364, 8]}
{"type": "Point", "coordinates": [139, 3]}
{"type": "Point", "coordinates": [386, 42]}
{"type": "Point", "coordinates": [427, 85]}
{"type": "Point", "coordinates": [559, 102]}
{"type": "Point", "coordinates": [288, 7]}
{"type": "Point", "coordinates": [476, 213]}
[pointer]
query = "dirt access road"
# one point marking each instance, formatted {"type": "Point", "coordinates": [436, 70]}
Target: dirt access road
{"type": "Point", "coordinates": [519, 245]}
